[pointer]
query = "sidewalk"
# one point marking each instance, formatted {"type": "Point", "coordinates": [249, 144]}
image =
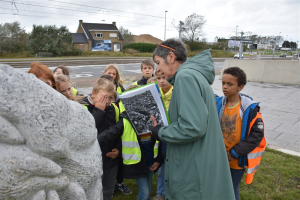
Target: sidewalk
{"type": "Point", "coordinates": [280, 111]}
{"type": "Point", "coordinates": [279, 105]}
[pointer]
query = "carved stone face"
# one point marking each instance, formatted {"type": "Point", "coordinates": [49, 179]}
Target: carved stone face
{"type": "Point", "coordinates": [47, 143]}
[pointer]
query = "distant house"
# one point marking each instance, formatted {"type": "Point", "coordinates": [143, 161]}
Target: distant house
{"type": "Point", "coordinates": [97, 37]}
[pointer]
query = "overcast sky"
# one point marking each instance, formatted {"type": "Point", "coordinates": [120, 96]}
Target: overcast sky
{"type": "Point", "coordinates": [260, 17]}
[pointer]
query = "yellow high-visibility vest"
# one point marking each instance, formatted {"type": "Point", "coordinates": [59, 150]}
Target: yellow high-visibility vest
{"type": "Point", "coordinates": [131, 151]}
{"type": "Point", "coordinates": [74, 91]}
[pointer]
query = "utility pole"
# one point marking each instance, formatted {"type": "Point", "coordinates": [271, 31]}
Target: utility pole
{"type": "Point", "coordinates": [180, 28]}
{"type": "Point", "coordinates": [297, 49]}
{"type": "Point", "coordinates": [274, 47]}
{"type": "Point", "coordinates": [235, 38]}
{"type": "Point", "coordinates": [241, 45]}
{"type": "Point", "coordinates": [165, 23]}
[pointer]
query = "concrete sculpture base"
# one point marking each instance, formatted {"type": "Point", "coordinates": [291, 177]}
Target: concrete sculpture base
{"type": "Point", "coordinates": [48, 144]}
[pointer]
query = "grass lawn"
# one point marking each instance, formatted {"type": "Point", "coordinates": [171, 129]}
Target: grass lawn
{"type": "Point", "coordinates": [278, 177]}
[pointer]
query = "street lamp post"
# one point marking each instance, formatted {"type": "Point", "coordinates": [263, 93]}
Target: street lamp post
{"type": "Point", "coordinates": [235, 37]}
{"type": "Point", "coordinates": [165, 23]}
{"type": "Point", "coordinates": [278, 43]}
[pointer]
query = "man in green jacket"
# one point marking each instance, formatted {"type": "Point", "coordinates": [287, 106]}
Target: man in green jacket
{"type": "Point", "coordinates": [196, 165]}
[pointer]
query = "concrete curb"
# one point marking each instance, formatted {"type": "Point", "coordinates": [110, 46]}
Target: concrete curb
{"type": "Point", "coordinates": [290, 152]}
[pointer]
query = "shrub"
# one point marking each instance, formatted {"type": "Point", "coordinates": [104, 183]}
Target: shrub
{"type": "Point", "coordinates": [131, 51]}
{"type": "Point", "coordinates": [196, 46]}
{"type": "Point", "coordinates": [23, 54]}
{"type": "Point", "coordinates": [141, 47]}
{"type": "Point", "coordinates": [73, 52]}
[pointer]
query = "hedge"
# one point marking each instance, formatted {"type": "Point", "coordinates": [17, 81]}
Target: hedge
{"type": "Point", "coordinates": [141, 47]}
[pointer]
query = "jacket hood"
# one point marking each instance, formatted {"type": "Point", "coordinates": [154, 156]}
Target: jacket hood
{"type": "Point", "coordinates": [203, 63]}
{"type": "Point", "coordinates": [246, 101]}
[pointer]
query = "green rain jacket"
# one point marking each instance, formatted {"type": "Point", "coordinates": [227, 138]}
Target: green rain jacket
{"type": "Point", "coordinates": [196, 165]}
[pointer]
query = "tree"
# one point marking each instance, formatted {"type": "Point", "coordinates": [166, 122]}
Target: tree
{"type": "Point", "coordinates": [13, 38]}
{"type": "Point", "coordinates": [128, 37]}
{"type": "Point", "coordinates": [293, 45]}
{"type": "Point", "coordinates": [286, 44]}
{"type": "Point", "coordinates": [192, 28]}
{"type": "Point", "coordinates": [50, 39]}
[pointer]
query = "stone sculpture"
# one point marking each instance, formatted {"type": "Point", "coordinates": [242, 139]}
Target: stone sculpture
{"type": "Point", "coordinates": [48, 144]}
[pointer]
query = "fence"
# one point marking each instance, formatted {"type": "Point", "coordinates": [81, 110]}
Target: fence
{"type": "Point", "coordinates": [43, 54]}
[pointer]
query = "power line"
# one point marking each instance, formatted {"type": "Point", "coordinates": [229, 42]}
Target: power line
{"type": "Point", "coordinates": [40, 16]}
{"type": "Point", "coordinates": [69, 9]}
{"type": "Point", "coordinates": [108, 9]}
{"type": "Point", "coordinates": [82, 5]}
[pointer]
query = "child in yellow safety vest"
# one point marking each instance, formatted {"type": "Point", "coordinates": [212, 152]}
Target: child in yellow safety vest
{"type": "Point", "coordinates": [147, 68]}
{"type": "Point", "coordinates": [62, 70]}
{"type": "Point", "coordinates": [113, 71]}
{"type": "Point", "coordinates": [166, 90]}
{"type": "Point", "coordinates": [137, 151]}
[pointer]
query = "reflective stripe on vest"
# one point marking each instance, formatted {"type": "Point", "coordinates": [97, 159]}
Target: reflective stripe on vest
{"type": "Point", "coordinates": [255, 155]}
{"type": "Point", "coordinates": [131, 151]}
{"type": "Point", "coordinates": [130, 144]}
{"type": "Point", "coordinates": [130, 157]}
{"type": "Point", "coordinates": [156, 148]}
{"type": "Point", "coordinates": [252, 170]}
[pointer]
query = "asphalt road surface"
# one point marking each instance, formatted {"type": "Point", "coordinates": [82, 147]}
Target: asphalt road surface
{"type": "Point", "coordinates": [86, 75]}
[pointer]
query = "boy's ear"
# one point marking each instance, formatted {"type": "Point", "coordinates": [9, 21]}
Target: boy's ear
{"type": "Point", "coordinates": [240, 87]}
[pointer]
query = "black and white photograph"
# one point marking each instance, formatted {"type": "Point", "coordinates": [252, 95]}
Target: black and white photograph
{"type": "Point", "coordinates": [139, 109]}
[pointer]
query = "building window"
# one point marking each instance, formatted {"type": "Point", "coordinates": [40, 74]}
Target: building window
{"type": "Point", "coordinates": [99, 35]}
{"type": "Point", "coordinates": [113, 35]}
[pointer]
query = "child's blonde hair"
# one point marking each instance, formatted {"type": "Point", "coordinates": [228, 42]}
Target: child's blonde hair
{"type": "Point", "coordinates": [115, 67]}
{"type": "Point", "coordinates": [62, 79]}
{"type": "Point", "coordinates": [103, 84]}
{"type": "Point", "coordinates": [152, 80]}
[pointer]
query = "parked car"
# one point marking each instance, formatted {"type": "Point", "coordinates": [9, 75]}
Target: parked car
{"type": "Point", "coordinates": [282, 55]}
{"type": "Point", "coordinates": [237, 56]}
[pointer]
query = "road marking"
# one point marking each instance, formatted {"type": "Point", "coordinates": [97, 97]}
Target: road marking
{"type": "Point", "coordinates": [138, 71]}
{"type": "Point", "coordinates": [80, 75]}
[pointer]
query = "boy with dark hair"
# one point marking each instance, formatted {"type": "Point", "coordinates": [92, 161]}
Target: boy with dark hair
{"type": "Point", "coordinates": [147, 68]}
{"type": "Point", "coordinates": [242, 127]}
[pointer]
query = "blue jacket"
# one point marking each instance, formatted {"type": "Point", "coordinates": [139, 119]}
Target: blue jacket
{"type": "Point", "coordinates": [252, 127]}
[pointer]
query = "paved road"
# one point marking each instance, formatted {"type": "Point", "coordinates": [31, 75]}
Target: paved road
{"type": "Point", "coordinates": [88, 71]}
